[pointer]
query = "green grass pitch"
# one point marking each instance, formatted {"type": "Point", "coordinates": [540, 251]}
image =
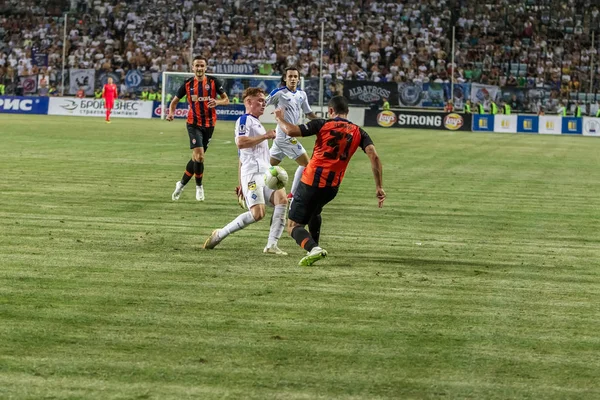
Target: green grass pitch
{"type": "Point", "coordinates": [479, 279]}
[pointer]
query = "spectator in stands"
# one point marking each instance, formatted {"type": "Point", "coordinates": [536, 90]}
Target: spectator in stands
{"type": "Point", "coordinates": [80, 93]}
{"type": "Point", "coordinates": [546, 45]}
{"type": "Point", "coordinates": [386, 104]}
{"type": "Point", "coordinates": [562, 109]}
{"type": "Point", "coordinates": [467, 107]}
{"type": "Point", "coordinates": [449, 107]}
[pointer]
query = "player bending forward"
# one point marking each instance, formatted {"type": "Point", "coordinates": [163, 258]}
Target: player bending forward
{"type": "Point", "coordinates": [109, 94]}
{"type": "Point", "coordinates": [251, 140]}
{"type": "Point", "coordinates": [337, 140]}
{"type": "Point", "coordinates": [293, 101]}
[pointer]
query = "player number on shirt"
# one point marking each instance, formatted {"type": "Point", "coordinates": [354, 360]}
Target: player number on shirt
{"type": "Point", "coordinates": [337, 139]}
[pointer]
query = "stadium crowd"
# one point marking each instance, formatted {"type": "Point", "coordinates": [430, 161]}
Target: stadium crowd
{"type": "Point", "coordinates": [526, 43]}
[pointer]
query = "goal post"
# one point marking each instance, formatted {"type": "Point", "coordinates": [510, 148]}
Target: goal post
{"type": "Point", "coordinates": [234, 84]}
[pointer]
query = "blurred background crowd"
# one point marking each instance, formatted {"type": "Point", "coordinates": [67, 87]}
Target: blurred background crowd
{"type": "Point", "coordinates": [543, 44]}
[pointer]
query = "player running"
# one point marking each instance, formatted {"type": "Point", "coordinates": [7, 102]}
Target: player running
{"type": "Point", "coordinates": [109, 94]}
{"type": "Point", "coordinates": [201, 92]}
{"type": "Point", "coordinates": [293, 101]}
{"type": "Point", "coordinates": [337, 140]}
{"type": "Point", "coordinates": [251, 140]}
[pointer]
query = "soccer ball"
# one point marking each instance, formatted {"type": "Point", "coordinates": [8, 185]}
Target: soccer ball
{"type": "Point", "coordinates": [276, 178]}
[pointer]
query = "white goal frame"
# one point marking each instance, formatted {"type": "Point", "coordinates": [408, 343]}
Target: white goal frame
{"type": "Point", "coordinates": [163, 96]}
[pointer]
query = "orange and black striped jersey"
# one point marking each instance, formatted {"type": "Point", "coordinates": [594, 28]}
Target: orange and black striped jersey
{"type": "Point", "coordinates": [337, 141]}
{"type": "Point", "coordinates": [198, 93]}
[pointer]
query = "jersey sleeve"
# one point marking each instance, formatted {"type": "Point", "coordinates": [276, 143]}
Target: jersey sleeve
{"type": "Point", "coordinates": [181, 92]}
{"type": "Point", "coordinates": [305, 106]}
{"type": "Point", "coordinates": [365, 139]}
{"type": "Point", "coordinates": [273, 98]}
{"type": "Point", "coordinates": [312, 128]}
{"type": "Point", "coordinates": [242, 127]}
{"type": "Point", "coordinates": [219, 86]}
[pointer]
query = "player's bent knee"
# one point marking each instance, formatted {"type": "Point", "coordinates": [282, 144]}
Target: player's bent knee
{"type": "Point", "coordinates": [303, 160]}
{"type": "Point", "coordinates": [258, 212]}
{"type": "Point", "coordinates": [275, 161]}
{"type": "Point", "coordinates": [198, 154]}
{"type": "Point", "coordinates": [279, 197]}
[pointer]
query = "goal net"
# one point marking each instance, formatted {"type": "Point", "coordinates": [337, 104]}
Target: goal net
{"type": "Point", "coordinates": [234, 85]}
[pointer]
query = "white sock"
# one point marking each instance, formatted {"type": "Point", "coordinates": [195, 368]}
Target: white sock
{"type": "Point", "coordinates": [277, 225]}
{"type": "Point", "coordinates": [241, 221]}
{"type": "Point", "coordinates": [297, 177]}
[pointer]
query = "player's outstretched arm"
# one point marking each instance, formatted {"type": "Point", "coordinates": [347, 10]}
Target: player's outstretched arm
{"type": "Point", "coordinates": [244, 142]}
{"type": "Point", "coordinates": [289, 129]}
{"type": "Point", "coordinates": [377, 169]}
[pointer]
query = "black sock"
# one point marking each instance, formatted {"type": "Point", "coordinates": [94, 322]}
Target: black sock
{"type": "Point", "coordinates": [302, 237]}
{"type": "Point", "coordinates": [199, 172]}
{"type": "Point", "coordinates": [189, 172]}
{"type": "Point", "coordinates": [314, 227]}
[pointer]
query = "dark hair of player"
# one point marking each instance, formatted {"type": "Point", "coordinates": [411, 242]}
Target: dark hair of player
{"type": "Point", "coordinates": [252, 91]}
{"type": "Point", "coordinates": [200, 58]}
{"type": "Point", "coordinates": [286, 71]}
{"type": "Point", "coordinates": [339, 105]}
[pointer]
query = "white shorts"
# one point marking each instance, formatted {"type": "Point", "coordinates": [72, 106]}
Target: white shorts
{"type": "Point", "coordinates": [287, 147]}
{"type": "Point", "coordinates": [255, 191]}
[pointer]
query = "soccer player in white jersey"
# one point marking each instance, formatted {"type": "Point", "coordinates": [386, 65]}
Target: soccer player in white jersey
{"type": "Point", "coordinates": [251, 139]}
{"type": "Point", "coordinates": [293, 101]}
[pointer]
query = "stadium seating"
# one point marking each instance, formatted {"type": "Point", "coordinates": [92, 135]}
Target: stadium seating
{"type": "Point", "coordinates": [379, 41]}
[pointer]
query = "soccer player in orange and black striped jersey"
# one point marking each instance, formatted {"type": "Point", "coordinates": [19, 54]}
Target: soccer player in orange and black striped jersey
{"type": "Point", "coordinates": [201, 92]}
{"type": "Point", "coordinates": [337, 140]}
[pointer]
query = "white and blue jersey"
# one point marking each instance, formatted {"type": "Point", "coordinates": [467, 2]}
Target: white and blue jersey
{"type": "Point", "coordinates": [293, 103]}
{"type": "Point", "coordinates": [255, 160]}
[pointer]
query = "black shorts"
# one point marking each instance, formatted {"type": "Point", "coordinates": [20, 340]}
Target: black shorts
{"type": "Point", "coordinates": [309, 201]}
{"type": "Point", "coordinates": [199, 136]}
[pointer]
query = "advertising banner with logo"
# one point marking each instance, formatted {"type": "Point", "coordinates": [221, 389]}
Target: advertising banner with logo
{"type": "Point", "coordinates": [81, 78]}
{"type": "Point", "coordinates": [418, 120]}
{"type": "Point", "coordinates": [29, 84]}
{"type": "Point", "coordinates": [483, 123]}
{"type": "Point", "coordinates": [591, 126]}
{"type": "Point", "coordinates": [23, 105]}
{"type": "Point", "coordinates": [39, 59]}
{"type": "Point", "coordinates": [484, 94]}
{"type": "Point", "coordinates": [95, 108]}
{"type": "Point", "coordinates": [505, 123]}
{"type": "Point", "coordinates": [133, 79]}
{"type": "Point", "coordinates": [244, 69]}
{"type": "Point", "coordinates": [410, 94]}
{"type": "Point", "coordinates": [367, 93]}
{"type": "Point", "coordinates": [102, 78]}
{"type": "Point", "coordinates": [435, 94]}
{"type": "Point", "coordinates": [550, 125]}
{"type": "Point", "coordinates": [528, 124]}
{"type": "Point", "coordinates": [230, 112]}
{"type": "Point", "coordinates": [572, 126]}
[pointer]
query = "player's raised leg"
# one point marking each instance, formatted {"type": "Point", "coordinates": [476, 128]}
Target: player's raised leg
{"type": "Point", "coordinates": [256, 203]}
{"type": "Point", "coordinates": [302, 161]}
{"type": "Point", "coordinates": [278, 199]}
{"type": "Point", "coordinates": [308, 202]}
{"type": "Point", "coordinates": [239, 223]}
